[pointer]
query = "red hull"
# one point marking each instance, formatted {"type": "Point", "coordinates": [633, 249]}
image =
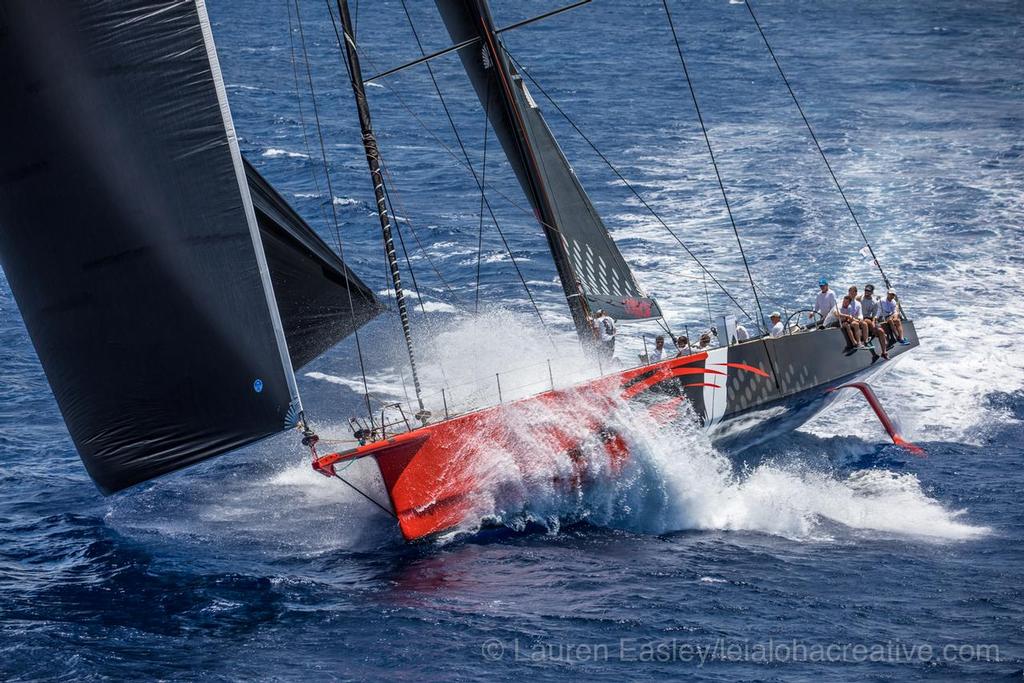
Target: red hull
{"type": "Point", "coordinates": [438, 476]}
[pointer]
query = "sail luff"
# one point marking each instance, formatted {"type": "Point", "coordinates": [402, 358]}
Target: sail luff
{"type": "Point", "coordinates": [250, 212]}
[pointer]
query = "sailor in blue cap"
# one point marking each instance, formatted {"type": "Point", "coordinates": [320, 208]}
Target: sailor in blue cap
{"type": "Point", "coordinates": [826, 305]}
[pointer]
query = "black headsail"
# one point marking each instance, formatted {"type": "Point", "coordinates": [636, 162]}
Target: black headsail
{"type": "Point", "coordinates": [129, 237]}
{"type": "Point", "coordinates": [311, 282]}
{"type": "Point", "coordinates": [593, 273]}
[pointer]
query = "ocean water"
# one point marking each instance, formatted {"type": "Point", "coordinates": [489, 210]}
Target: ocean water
{"type": "Point", "coordinates": [824, 555]}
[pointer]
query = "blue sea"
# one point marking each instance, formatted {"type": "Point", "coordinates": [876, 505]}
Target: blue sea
{"type": "Point", "coordinates": [828, 554]}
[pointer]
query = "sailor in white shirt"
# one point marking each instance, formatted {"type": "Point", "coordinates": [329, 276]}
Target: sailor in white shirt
{"type": "Point", "coordinates": [889, 315]}
{"type": "Point", "coordinates": [777, 327]}
{"type": "Point", "coordinates": [865, 329]}
{"type": "Point", "coordinates": [683, 346]}
{"type": "Point", "coordinates": [741, 333]}
{"type": "Point", "coordinates": [659, 352]}
{"type": "Point", "coordinates": [849, 317]}
{"type": "Point", "coordinates": [871, 309]}
{"type": "Point", "coordinates": [825, 305]}
{"type": "Point", "coordinates": [604, 328]}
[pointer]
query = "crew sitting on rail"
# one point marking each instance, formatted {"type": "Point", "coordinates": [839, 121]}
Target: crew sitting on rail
{"type": "Point", "coordinates": [850, 322]}
{"type": "Point", "coordinates": [865, 330]}
{"type": "Point", "coordinates": [741, 333]}
{"type": "Point", "coordinates": [870, 306]}
{"type": "Point", "coordinates": [604, 329]}
{"type": "Point", "coordinates": [659, 353]}
{"type": "Point", "coordinates": [825, 305]}
{"type": "Point", "coordinates": [889, 314]}
{"type": "Point", "coordinates": [777, 326]}
{"type": "Point", "coordinates": [705, 342]}
{"type": "Point", "coordinates": [683, 346]}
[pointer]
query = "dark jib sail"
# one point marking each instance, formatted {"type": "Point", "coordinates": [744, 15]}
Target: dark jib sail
{"type": "Point", "coordinates": [129, 237]}
{"type": "Point", "coordinates": [583, 249]}
{"type": "Point", "coordinates": [312, 284]}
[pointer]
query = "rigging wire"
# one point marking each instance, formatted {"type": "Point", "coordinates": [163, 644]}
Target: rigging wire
{"type": "Point", "coordinates": [408, 262]}
{"type": "Point", "coordinates": [483, 199]}
{"type": "Point", "coordinates": [472, 170]}
{"type": "Point", "coordinates": [365, 495]}
{"type": "Point", "coordinates": [327, 175]}
{"type": "Point", "coordinates": [423, 250]}
{"type": "Point", "coordinates": [707, 298]}
{"type": "Point", "coordinates": [622, 178]}
{"type": "Point", "coordinates": [725, 197]}
{"type": "Point", "coordinates": [817, 144]}
{"type": "Point", "coordinates": [397, 202]}
{"type": "Point", "coordinates": [714, 163]}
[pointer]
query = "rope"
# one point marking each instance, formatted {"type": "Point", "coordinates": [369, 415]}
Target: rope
{"type": "Point", "coordinates": [392, 188]}
{"type": "Point", "coordinates": [714, 163]}
{"type": "Point", "coordinates": [469, 165]}
{"type": "Point", "coordinates": [725, 196]}
{"type": "Point", "coordinates": [408, 262]}
{"type": "Point", "coordinates": [817, 144]}
{"type": "Point", "coordinates": [350, 57]}
{"type": "Point", "coordinates": [365, 495]}
{"type": "Point", "coordinates": [629, 185]}
{"type": "Point", "coordinates": [327, 175]}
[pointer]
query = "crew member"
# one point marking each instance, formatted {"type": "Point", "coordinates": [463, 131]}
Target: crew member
{"type": "Point", "coordinates": [825, 305]}
{"type": "Point", "coordinates": [858, 313]}
{"type": "Point", "coordinates": [850, 323]}
{"type": "Point", "coordinates": [871, 309]}
{"type": "Point", "coordinates": [683, 346]}
{"type": "Point", "coordinates": [889, 309]}
{"type": "Point", "coordinates": [604, 328]}
{"type": "Point", "coordinates": [659, 352]}
{"type": "Point", "coordinates": [777, 327]}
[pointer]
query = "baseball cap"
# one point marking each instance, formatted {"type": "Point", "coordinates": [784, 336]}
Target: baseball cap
{"type": "Point", "coordinates": [822, 281]}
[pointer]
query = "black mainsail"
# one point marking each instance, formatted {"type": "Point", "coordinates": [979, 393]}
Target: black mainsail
{"type": "Point", "coordinates": [592, 270]}
{"type": "Point", "coordinates": [133, 248]}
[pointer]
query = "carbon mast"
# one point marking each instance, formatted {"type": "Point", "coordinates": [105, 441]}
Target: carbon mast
{"type": "Point", "coordinates": [542, 201]}
{"type": "Point", "coordinates": [373, 161]}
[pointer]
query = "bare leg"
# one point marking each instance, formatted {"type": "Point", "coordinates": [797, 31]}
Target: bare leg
{"type": "Point", "coordinates": [883, 341]}
{"type": "Point", "coordinates": [865, 331]}
{"type": "Point", "coordinates": [848, 331]}
{"type": "Point", "coordinates": [897, 325]}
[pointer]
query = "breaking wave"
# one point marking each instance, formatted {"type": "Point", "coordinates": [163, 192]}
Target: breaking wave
{"type": "Point", "coordinates": [674, 480]}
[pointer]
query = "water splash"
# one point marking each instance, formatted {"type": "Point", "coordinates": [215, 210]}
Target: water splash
{"type": "Point", "coordinates": [675, 480]}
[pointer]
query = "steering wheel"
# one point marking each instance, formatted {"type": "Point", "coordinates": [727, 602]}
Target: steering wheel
{"type": "Point", "coordinates": [799, 313]}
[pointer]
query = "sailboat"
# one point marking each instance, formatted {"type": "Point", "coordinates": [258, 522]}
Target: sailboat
{"type": "Point", "coordinates": [171, 292]}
